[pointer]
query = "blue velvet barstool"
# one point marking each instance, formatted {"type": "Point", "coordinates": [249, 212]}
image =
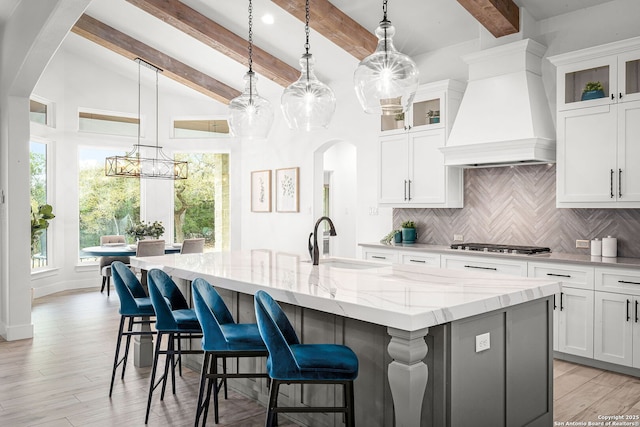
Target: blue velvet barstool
{"type": "Point", "coordinates": [134, 304]}
{"type": "Point", "coordinates": [221, 338]}
{"type": "Point", "coordinates": [173, 318]}
{"type": "Point", "coordinates": [291, 362]}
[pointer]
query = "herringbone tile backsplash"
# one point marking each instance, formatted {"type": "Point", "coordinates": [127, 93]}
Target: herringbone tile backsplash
{"type": "Point", "coordinates": [517, 205]}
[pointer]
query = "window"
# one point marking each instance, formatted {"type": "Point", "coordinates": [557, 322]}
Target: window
{"type": "Point", "coordinates": [213, 128]}
{"type": "Point", "coordinates": [107, 205]}
{"type": "Point", "coordinates": [201, 203]}
{"type": "Point", "coordinates": [38, 184]}
{"type": "Point", "coordinates": [41, 111]}
{"type": "Point", "coordinates": [120, 124]}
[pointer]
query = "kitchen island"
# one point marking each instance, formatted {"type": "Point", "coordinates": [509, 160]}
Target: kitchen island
{"type": "Point", "coordinates": [436, 347]}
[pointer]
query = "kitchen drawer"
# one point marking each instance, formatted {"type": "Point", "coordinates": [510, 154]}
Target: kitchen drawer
{"type": "Point", "coordinates": [618, 280]}
{"type": "Point", "coordinates": [387, 256]}
{"type": "Point", "coordinates": [419, 258]}
{"type": "Point", "coordinates": [488, 265]}
{"type": "Point", "coordinates": [571, 275]}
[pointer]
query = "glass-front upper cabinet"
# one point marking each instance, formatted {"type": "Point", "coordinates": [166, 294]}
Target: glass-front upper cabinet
{"type": "Point", "coordinates": [424, 112]}
{"type": "Point", "coordinates": [629, 76]}
{"type": "Point", "coordinates": [602, 79]}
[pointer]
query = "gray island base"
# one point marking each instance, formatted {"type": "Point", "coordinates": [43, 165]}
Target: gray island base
{"type": "Point", "coordinates": [436, 347]}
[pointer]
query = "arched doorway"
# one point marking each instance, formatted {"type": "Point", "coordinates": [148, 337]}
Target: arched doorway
{"type": "Point", "coordinates": [334, 193]}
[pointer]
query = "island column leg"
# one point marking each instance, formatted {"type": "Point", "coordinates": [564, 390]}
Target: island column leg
{"type": "Point", "coordinates": [407, 374]}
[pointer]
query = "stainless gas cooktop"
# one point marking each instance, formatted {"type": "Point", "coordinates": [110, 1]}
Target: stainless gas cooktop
{"type": "Point", "coordinates": [507, 249]}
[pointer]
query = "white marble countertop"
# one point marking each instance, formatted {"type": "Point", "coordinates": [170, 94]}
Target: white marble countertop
{"type": "Point", "coordinates": [550, 257]}
{"type": "Point", "coordinates": [406, 297]}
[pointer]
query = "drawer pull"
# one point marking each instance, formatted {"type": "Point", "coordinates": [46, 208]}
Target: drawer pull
{"type": "Point", "coordinates": [628, 282]}
{"type": "Point", "coordinates": [482, 268]}
{"type": "Point", "coordinates": [559, 275]}
{"type": "Point", "coordinates": [418, 260]}
{"type": "Point", "coordinates": [378, 257]}
{"type": "Point", "coordinates": [628, 316]}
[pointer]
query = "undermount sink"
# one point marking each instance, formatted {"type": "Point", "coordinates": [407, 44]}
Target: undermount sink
{"type": "Point", "coordinates": [347, 264]}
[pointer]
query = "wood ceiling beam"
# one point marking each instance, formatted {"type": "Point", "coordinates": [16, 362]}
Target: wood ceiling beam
{"type": "Point", "coordinates": [334, 25]}
{"type": "Point", "coordinates": [219, 38]}
{"type": "Point", "coordinates": [106, 36]}
{"type": "Point", "coordinates": [500, 17]}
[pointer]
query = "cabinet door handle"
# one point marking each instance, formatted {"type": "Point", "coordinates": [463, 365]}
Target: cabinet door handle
{"type": "Point", "coordinates": [628, 316]}
{"type": "Point", "coordinates": [559, 275]}
{"type": "Point", "coordinates": [482, 268]}
{"type": "Point", "coordinates": [554, 302]}
{"type": "Point", "coordinates": [409, 190]}
{"type": "Point", "coordinates": [613, 97]}
{"type": "Point", "coordinates": [378, 257]}
{"type": "Point", "coordinates": [620, 95]}
{"type": "Point", "coordinates": [636, 311]}
{"type": "Point", "coordinates": [628, 282]}
{"type": "Point", "coordinates": [418, 260]}
{"type": "Point", "coordinates": [620, 183]}
{"type": "Point", "coordinates": [561, 301]}
{"type": "Point", "coordinates": [405, 190]}
{"type": "Point", "coordinates": [611, 184]}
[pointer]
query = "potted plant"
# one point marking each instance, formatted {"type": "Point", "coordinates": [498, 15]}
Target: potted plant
{"type": "Point", "coordinates": [399, 120]}
{"type": "Point", "coordinates": [140, 230]}
{"type": "Point", "coordinates": [409, 232]}
{"type": "Point", "coordinates": [592, 90]}
{"type": "Point", "coordinates": [39, 223]}
{"type": "Point", "coordinates": [433, 116]}
{"type": "Point", "coordinates": [394, 236]}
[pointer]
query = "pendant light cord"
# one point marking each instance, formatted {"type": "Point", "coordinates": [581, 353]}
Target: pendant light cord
{"type": "Point", "coordinates": [306, 31]}
{"type": "Point", "coordinates": [384, 20]}
{"type": "Point", "coordinates": [157, 117]}
{"type": "Point", "coordinates": [139, 120]}
{"type": "Point", "coordinates": [250, 52]}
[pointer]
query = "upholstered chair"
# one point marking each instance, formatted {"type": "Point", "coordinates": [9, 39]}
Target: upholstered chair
{"type": "Point", "coordinates": [192, 246]}
{"type": "Point", "coordinates": [291, 362]}
{"type": "Point", "coordinates": [175, 319]}
{"type": "Point", "coordinates": [135, 306]}
{"type": "Point", "coordinates": [222, 337]}
{"type": "Point", "coordinates": [105, 261]}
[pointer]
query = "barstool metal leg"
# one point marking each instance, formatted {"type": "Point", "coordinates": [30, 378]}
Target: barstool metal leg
{"type": "Point", "coordinates": [203, 383]}
{"type": "Point", "coordinates": [115, 359]}
{"type": "Point", "coordinates": [152, 386]}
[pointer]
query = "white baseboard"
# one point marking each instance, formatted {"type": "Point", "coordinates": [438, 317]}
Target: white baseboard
{"type": "Point", "coordinates": [20, 332]}
{"type": "Point", "coordinates": [53, 288]}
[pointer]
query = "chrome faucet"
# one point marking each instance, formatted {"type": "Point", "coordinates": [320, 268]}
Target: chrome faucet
{"type": "Point", "coordinates": [313, 249]}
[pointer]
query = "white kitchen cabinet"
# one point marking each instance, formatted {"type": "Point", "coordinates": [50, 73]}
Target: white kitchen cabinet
{"type": "Point", "coordinates": [411, 167]}
{"type": "Point", "coordinates": [617, 327]}
{"type": "Point", "coordinates": [598, 155]}
{"type": "Point", "coordinates": [573, 306]}
{"type": "Point", "coordinates": [598, 140]}
{"type": "Point", "coordinates": [613, 328]}
{"type": "Point", "coordinates": [487, 265]}
{"type": "Point", "coordinates": [419, 258]}
{"type": "Point", "coordinates": [616, 66]}
{"type": "Point", "coordinates": [387, 256]}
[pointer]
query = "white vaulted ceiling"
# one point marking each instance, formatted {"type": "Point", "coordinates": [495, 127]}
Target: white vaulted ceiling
{"type": "Point", "coordinates": [422, 26]}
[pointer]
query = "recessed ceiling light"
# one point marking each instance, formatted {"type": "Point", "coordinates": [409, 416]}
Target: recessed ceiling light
{"type": "Point", "coordinates": [267, 18]}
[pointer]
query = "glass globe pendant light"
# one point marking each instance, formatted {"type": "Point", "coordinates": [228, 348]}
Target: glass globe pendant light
{"type": "Point", "coordinates": [386, 81]}
{"type": "Point", "coordinates": [308, 103]}
{"type": "Point", "coordinates": [251, 115]}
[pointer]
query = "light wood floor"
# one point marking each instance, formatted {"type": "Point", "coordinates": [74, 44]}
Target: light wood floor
{"type": "Point", "coordinates": [61, 378]}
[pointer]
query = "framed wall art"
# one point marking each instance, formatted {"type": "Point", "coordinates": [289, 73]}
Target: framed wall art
{"type": "Point", "coordinates": [287, 191]}
{"type": "Point", "coordinates": [261, 191]}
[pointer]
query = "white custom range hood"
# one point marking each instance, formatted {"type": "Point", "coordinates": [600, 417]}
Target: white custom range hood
{"type": "Point", "coordinates": [504, 118]}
